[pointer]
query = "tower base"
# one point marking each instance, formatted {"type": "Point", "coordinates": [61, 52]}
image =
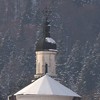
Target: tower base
{"type": "Point", "coordinates": [36, 76]}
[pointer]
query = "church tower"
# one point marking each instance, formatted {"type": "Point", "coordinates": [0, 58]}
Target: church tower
{"type": "Point", "coordinates": [46, 51]}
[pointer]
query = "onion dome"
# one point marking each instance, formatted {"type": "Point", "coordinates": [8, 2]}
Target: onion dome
{"type": "Point", "coordinates": [46, 43]}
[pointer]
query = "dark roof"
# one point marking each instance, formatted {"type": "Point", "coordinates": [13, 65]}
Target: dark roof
{"type": "Point", "coordinates": [44, 45]}
{"type": "Point", "coordinates": [45, 42]}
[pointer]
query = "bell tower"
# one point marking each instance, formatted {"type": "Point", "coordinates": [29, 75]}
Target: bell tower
{"type": "Point", "coordinates": [46, 51]}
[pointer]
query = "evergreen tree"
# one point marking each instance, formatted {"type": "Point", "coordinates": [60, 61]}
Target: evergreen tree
{"type": "Point", "coordinates": [27, 17]}
{"type": "Point", "coordinates": [91, 71]}
{"type": "Point", "coordinates": [74, 65]}
{"type": "Point", "coordinates": [7, 47]}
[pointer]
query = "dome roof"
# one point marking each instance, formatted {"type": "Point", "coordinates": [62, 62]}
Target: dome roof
{"type": "Point", "coordinates": [46, 43]}
{"type": "Point", "coordinates": [47, 86]}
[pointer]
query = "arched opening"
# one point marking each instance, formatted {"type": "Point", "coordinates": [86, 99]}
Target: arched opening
{"type": "Point", "coordinates": [46, 68]}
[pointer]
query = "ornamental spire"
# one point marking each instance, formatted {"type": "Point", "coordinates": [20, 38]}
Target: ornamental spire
{"type": "Point", "coordinates": [46, 27]}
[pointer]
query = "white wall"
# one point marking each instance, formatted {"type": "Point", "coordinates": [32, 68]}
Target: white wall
{"type": "Point", "coordinates": [46, 57]}
{"type": "Point", "coordinates": [40, 97]}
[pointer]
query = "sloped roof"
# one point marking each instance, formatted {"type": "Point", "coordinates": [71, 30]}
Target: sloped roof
{"type": "Point", "coordinates": [47, 86]}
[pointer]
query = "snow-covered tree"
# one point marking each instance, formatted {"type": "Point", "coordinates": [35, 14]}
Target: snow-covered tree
{"type": "Point", "coordinates": [90, 71]}
{"type": "Point", "coordinates": [74, 65]}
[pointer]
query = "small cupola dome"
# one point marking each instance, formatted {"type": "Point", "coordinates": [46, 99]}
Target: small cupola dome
{"type": "Point", "coordinates": [46, 43]}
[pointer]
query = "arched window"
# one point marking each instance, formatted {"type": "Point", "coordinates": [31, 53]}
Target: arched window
{"type": "Point", "coordinates": [46, 68]}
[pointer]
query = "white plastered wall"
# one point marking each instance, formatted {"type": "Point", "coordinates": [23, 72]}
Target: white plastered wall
{"type": "Point", "coordinates": [46, 57]}
{"type": "Point", "coordinates": [41, 97]}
